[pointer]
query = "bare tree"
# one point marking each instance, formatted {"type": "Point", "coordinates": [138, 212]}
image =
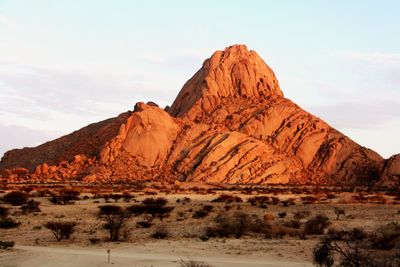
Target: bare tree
{"type": "Point", "coordinates": [114, 217]}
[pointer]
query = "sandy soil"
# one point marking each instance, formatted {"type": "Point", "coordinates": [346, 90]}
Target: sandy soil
{"type": "Point", "coordinates": [35, 245]}
{"type": "Point", "coordinates": [157, 255]}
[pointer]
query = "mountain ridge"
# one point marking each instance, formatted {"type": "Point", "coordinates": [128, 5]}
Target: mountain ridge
{"type": "Point", "coordinates": [230, 123]}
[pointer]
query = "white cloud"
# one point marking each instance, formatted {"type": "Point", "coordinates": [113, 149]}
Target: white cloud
{"type": "Point", "coordinates": [63, 100]}
{"type": "Point", "coordinates": [373, 58]}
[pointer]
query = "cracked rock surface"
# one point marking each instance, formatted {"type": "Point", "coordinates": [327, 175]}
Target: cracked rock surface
{"type": "Point", "coordinates": [230, 123]}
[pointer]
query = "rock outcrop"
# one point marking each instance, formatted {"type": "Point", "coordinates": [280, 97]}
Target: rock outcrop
{"type": "Point", "coordinates": [391, 171]}
{"type": "Point", "coordinates": [147, 136]}
{"type": "Point", "coordinates": [230, 123]}
{"type": "Point", "coordinates": [235, 72]}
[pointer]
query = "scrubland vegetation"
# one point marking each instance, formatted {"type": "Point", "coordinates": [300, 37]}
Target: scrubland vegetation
{"type": "Point", "coordinates": [337, 224]}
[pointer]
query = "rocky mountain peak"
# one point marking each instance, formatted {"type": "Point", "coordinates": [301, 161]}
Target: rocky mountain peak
{"type": "Point", "coordinates": [234, 72]}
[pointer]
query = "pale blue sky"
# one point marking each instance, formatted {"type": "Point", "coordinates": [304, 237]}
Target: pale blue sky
{"type": "Point", "coordinates": [64, 64]}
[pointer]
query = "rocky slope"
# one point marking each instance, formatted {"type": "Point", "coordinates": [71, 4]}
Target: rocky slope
{"type": "Point", "coordinates": [230, 123]}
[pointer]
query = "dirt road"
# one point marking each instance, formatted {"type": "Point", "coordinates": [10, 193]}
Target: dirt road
{"type": "Point", "coordinates": [37, 256]}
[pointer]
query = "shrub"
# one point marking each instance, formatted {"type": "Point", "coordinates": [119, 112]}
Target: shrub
{"type": "Point", "coordinates": [227, 207]}
{"type": "Point", "coordinates": [297, 217]}
{"type": "Point", "coordinates": [208, 208]}
{"type": "Point", "coordinates": [204, 237]}
{"type": "Point", "coordinates": [15, 198]}
{"type": "Point", "coordinates": [66, 196]}
{"type": "Point", "coordinates": [338, 212]}
{"type": "Point", "coordinates": [127, 196]}
{"type": "Point", "coordinates": [94, 240]}
{"type": "Point", "coordinates": [386, 237]}
{"type": "Point", "coordinates": [275, 200]}
{"type": "Point", "coordinates": [282, 214]}
{"type": "Point", "coordinates": [330, 196]}
{"type": "Point", "coordinates": [295, 224]}
{"type": "Point", "coordinates": [258, 200]}
{"type": "Point", "coordinates": [349, 248]}
{"type": "Point", "coordinates": [302, 214]}
{"type": "Point", "coordinates": [191, 263]}
{"type": "Point", "coordinates": [316, 225]}
{"type": "Point", "coordinates": [114, 217]}
{"type": "Point", "coordinates": [160, 201]}
{"type": "Point", "coordinates": [203, 212]}
{"type": "Point", "coordinates": [180, 216]}
{"type": "Point", "coordinates": [352, 235]}
{"type": "Point", "coordinates": [31, 206]}
{"type": "Point", "coordinates": [160, 233]}
{"type": "Point", "coordinates": [186, 200]}
{"type": "Point", "coordinates": [286, 203]}
{"type": "Point", "coordinates": [144, 224]}
{"type": "Point", "coordinates": [199, 214]}
{"type": "Point", "coordinates": [6, 223]}
{"type": "Point", "coordinates": [116, 197]}
{"type": "Point", "coordinates": [61, 230]}
{"type": "Point", "coordinates": [227, 199]}
{"type": "Point", "coordinates": [309, 199]}
{"type": "Point", "coordinates": [236, 225]}
{"type": "Point", "coordinates": [3, 212]}
{"type": "Point", "coordinates": [6, 244]}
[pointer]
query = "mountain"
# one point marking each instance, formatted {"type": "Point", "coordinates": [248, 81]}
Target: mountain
{"type": "Point", "coordinates": [230, 123]}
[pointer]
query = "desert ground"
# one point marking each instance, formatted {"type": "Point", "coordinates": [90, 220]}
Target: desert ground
{"type": "Point", "coordinates": [185, 237]}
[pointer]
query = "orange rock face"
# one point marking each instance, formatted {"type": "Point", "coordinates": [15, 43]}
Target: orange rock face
{"type": "Point", "coordinates": [235, 72]}
{"type": "Point", "coordinates": [147, 136]}
{"type": "Point", "coordinates": [391, 171]}
{"type": "Point", "coordinates": [230, 123]}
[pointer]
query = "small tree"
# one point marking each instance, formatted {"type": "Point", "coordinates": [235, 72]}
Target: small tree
{"type": "Point", "coordinates": [114, 217]}
{"type": "Point", "coordinates": [338, 212]}
{"type": "Point", "coordinates": [61, 230]}
{"type": "Point", "coordinates": [155, 207]}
